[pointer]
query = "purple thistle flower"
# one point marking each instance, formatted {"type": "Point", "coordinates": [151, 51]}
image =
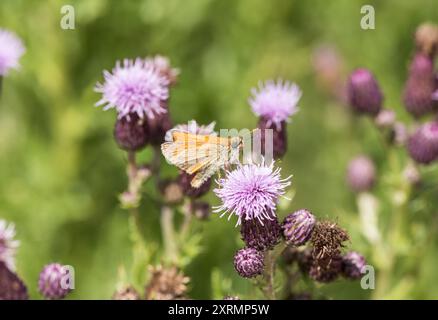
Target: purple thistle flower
{"type": "Point", "coordinates": [136, 86]}
{"type": "Point", "coordinates": [275, 101]}
{"type": "Point", "coordinates": [423, 144]}
{"type": "Point", "coordinates": [364, 93]}
{"type": "Point", "coordinates": [420, 86]}
{"type": "Point", "coordinates": [251, 192]}
{"type": "Point", "coordinates": [361, 174]}
{"type": "Point", "coordinates": [8, 246]}
{"type": "Point", "coordinates": [352, 265]}
{"type": "Point", "coordinates": [162, 64]}
{"type": "Point", "coordinates": [50, 282]}
{"type": "Point", "coordinates": [261, 236]}
{"type": "Point", "coordinates": [298, 226]}
{"type": "Point", "coordinates": [11, 50]}
{"type": "Point", "coordinates": [248, 262]}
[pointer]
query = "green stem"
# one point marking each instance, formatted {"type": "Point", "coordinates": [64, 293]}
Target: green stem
{"type": "Point", "coordinates": [168, 233]}
{"type": "Point", "coordinates": [269, 272]}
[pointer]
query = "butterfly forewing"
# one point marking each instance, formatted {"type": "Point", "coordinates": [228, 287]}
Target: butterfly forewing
{"type": "Point", "coordinates": [202, 155]}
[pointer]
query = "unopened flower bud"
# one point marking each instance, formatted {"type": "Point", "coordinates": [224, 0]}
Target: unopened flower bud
{"type": "Point", "coordinates": [261, 236]}
{"type": "Point", "coordinates": [361, 174]}
{"type": "Point", "coordinates": [385, 118]}
{"type": "Point", "coordinates": [420, 86]}
{"type": "Point", "coordinates": [352, 265]}
{"type": "Point", "coordinates": [51, 284]}
{"type": "Point", "coordinates": [423, 144]}
{"type": "Point", "coordinates": [364, 93]}
{"type": "Point", "coordinates": [131, 134]}
{"type": "Point", "coordinates": [278, 136]}
{"type": "Point", "coordinates": [248, 262]}
{"type": "Point", "coordinates": [297, 227]}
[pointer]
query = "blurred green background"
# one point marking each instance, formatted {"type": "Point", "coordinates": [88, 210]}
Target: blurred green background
{"type": "Point", "coordinates": [61, 171]}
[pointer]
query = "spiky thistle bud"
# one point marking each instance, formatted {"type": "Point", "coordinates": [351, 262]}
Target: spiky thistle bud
{"type": "Point", "coordinates": [352, 265]}
{"type": "Point", "coordinates": [279, 137]}
{"type": "Point", "coordinates": [364, 92]}
{"type": "Point", "coordinates": [420, 86]}
{"type": "Point", "coordinates": [261, 236]}
{"type": "Point", "coordinates": [248, 262]}
{"type": "Point", "coordinates": [361, 174]}
{"type": "Point", "coordinates": [297, 227]}
{"type": "Point", "coordinates": [423, 144]}
{"type": "Point", "coordinates": [51, 284]}
{"type": "Point", "coordinates": [131, 134]}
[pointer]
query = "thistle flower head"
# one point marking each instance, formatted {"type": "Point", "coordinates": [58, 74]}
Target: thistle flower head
{"type": "Point", "coordinates": [297, 227]}
{"type": "Point", "coordinates": [248, 262]}
{"type": "Point", "coordinates": [327, 240]}
{"type": "Point", "coordinates": [420, 86]}
{"type": "Point", "coordinates": [11, 50]}
{"type": "Point", "coordinates": [352, 265]}
{"type": "Point", "coordinates": [364, 92]}
{"type": "Point", "coordinates": [423, 144]}
{"type": "Point", "coordinates": [278, 138]}
{"type": "Point", "coordinates": [251, 192]}
{"type": "Point", "coordinates": [275, 101]}
{"type": "Point", "coordinates": [131, 135]}
{"type": "Point", "coordinates": [8, 246]}
{"type": "Point", "coordinates": [162, 64]}
{"type": "Point", "coordinates": [261, 236]}
{"type": "Point", "coordinates": [134, 86]}
{"type": "Point", "coordinates": [361, 173]}
{"type": "Point", "coordinates": [50, 283]}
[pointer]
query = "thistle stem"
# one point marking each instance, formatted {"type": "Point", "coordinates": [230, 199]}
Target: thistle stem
{"type": "Point", "coordinates": [132, 172]}
{"type": "Point", "coordinates": [168, 232]}
{"type": "Point", "coordinates": [269, 272]}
